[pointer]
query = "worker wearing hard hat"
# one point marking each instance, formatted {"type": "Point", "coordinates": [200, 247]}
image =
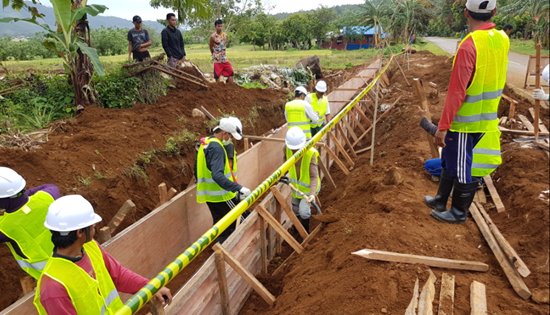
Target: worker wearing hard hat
{"type": "Point", "coordinates": [22, 222]}
{"type": "Point", "coordinates": [320, 104]}
{"type": "Point", "coordinates": [216, 182]}
{"type": "Point", "coordinates": [299, 113]}
{"type": "Point", "coordinates": [80, 277]}
{"type": "Point", "coordinates": [305, 177]}
{"type": "Point", "coordinates": [539, 94]}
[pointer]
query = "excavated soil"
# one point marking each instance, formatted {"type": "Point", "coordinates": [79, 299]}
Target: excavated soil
{"type": "Point", "coordinates": [380, 207]}
{"type": "Point", "coordinates": [93, 154]}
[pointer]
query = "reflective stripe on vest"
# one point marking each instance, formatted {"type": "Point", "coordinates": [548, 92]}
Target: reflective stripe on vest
{"type": "Point", "coordinates": [304, 182]}
{"type": "Point", "coordinates": [89, 296]}
{"type": "Point", "coordinates": [320, 107]}
{"type": "Point", "coordinates": [486, 157]}
{"type": "Point", "coordinates": [478, 112]}
{"type": "Point", "coordinates": [207, 189]}
{"type": "Point", "coordinates": [25, 227]}
{"type": "Point", "coordinates": [296, 116]}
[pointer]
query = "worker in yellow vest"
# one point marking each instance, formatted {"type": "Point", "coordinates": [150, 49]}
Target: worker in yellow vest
{"type": "Point", "coordinates": [22, 221]}
{"type": "Point", "coordinates": [216, 182]}
{"type": "Point", "coordinates": [470, 116]}
{"type": "Point", "coordinates": [299, 113]}
{"type": "Point", "coordinates": [81, 278]}
{"type": "Point", "coordinates": [320, 104]}
{"type": "Point", "coordinates": [304, 175]}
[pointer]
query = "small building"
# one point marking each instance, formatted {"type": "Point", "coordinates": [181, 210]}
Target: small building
{"type": "Point", "coordinates": [353, 37]}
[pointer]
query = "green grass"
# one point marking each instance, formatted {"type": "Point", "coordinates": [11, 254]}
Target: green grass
{"type": "Point", "coordinates": [429, 46]}
{"type": "Point", "coordinates": [526, 47]}
{"type": "Point", "coordinates": [242, 56]}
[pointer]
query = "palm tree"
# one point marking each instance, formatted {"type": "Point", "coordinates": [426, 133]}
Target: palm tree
{"type": "Point", "coordinates": [374, 12]}
{"type": "Point", "coordinates": [538, 10]}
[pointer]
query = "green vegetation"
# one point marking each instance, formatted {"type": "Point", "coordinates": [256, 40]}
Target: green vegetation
{"type": "Point", "coordinates": [526, 47]}
{"type": "Point", "coordinates": [136, 172]}
{"type": "Point", "coordinates": [429, 46]}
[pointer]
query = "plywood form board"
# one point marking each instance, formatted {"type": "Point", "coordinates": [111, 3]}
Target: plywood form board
{"type": "Point", "coordinates": [425, 306]}
{"type": "Point", "coordinates": [446, 295]}
{"type": "Point", "coordinates": [478, 299]}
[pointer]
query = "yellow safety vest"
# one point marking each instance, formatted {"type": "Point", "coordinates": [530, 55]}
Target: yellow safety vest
{"type": "Point", "coordinates": [478, 112]}
{"type": "Point", "coordinates": [207, 189]}
{"type": "Point", "coordinates": [296, 116]}
{"type": "Point", "coordinates": [304, 182]}
{"type": "Point", "coordinates": [89, 296]}
{"type": "Point", "coordinates": [486, 157]}
{"type": "Point", "coordinates": [26, 228]}
{"type": "Point", "coordinates": [320, 107]}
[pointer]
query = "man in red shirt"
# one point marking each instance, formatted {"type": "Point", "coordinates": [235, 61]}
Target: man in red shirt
{"type": "Point", "coordinates": [470, 112]}
{"type": "Point", "coordinates": [80, 277]}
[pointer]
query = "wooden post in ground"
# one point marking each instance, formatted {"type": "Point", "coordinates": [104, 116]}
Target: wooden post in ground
{"type": "Point", "coordinates": [341, 148]}
{"type": "Point", "coordinates": [346, 140]}
{"type": "Point", "coordinates": [425, 107]}
{"type": "Point", "coordinates": [263, 245]}
{"type": "Point", "coordinates": [373, 136]}
{"type": "Point", "coordinates": [246, 144]}
{"type": "Point", "coordinates": [338, 162]}
{"type": "Point", "coordinates": [222, 281]}
{"type": "Point", "coordinates": [446, 295]}
{"type": "Point", "coordinates": [537, 85]}
{"type": "Point", "coordinates": [286, 208]}
{"type": "Point", "coordinates": [325, 170]}
{"type": "Point", "coordinates": [478, 299]}
{"type": "Point", "coordinates": [163, 193]}
{"type": "Point", "coordinates": [105, 233]}
{"type": "Point", "coordinates": [279, 229]}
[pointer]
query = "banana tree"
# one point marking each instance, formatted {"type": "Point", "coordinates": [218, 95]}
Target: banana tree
{"type": "Point", "coordinates": [71, 43]}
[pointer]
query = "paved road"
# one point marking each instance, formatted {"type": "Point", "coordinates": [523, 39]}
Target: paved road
{"type": "Point", "coordinates": [517, 63]}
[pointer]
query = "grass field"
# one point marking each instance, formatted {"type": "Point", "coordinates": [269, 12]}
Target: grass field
{"type": "Point", "coordinates": [242, 56]}
{"type": "Point", "coordinates": [526, 47]}
{"type": "Point", "coordinates": [425, 45]}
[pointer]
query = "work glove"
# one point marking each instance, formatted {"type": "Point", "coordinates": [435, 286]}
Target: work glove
{"type": "Point", "coordinates": [244, 192]}
{"type": "Point", "coordinates": [539, 94]}
{"type": "Point", "coordinates": [310, 198]}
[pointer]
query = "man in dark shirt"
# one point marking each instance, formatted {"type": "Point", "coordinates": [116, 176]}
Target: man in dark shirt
{"type": "Point", "coordinates": [138, 41]}
{"type": "Point", "coordinates": [172, 41]}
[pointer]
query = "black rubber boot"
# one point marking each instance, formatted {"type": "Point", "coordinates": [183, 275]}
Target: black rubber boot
{"type": "Point", "coordinates": [305, 224]}
{"type": "Point", "coordinates": [463, 195]}
{"type": "Point", "coordinates": [439, 202]}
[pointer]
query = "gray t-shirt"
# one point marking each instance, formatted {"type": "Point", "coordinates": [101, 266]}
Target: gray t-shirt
{"type": "Point", "coordinates": [137, 37]}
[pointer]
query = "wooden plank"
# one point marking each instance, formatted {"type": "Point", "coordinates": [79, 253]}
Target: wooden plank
{"type": "Point", "coordinates": [521, 132]}
{"type": "Point", "coordinates": [246, 144]}
{"type": "Point", "coordinates": [446, 295]}
{"type": "Point", "coordinates": [426, 108]}
{"type": "Point", "coordinates": [325, 171]}
{"type": "Point", "coordinates": [402, 73]}
{"type": "Point", "coordinates": [413, 305]}
{"type": "Point", "coordinates": [513, 104]}
{"type": "Point", "coordinates": [27, 284]}
{"type": "Point", "coordinates": [478, 299]}
{"type": "Point", "coordinates": [425, 306]}
{"type": "Point", "coordinates": [526, 123]}
{"type": "Point", "coordinates": [350, 130]}
{"type": "Point", "coordinates": [263, 245]}
{"type": "Point", "coordinates": [425, 260]}
{"type": "Point", "coordinates": [286, 208]}
{"type": "Point", "coordinates": [542, 127]}
{"type": "Point", "coordinates": [280, 229]}
{"type": "Point", "coordinates": [494, 193]}
{"type": "Point", "coordinates": [384, 114]}
{"type": "Point", "coordinates": [515, 279]}
{"type": "Point", "coordinates": [338, 162]}
{"type": "Point", "coordinates": [508, 250]}
{"type": "Point", "coordinates": [222, 281]}
{"type": "Point", "coordinates": [340, 148]}
{"type": "Point", "coordinates": [480, 196]}
{"type": "Point", "coordinates": [207, 113]}
{"type": "Point", "coordinates": [126, 208]}
{"type": "Point", "coordinates": [537, 85]}
{"type": "Point", "coordinates": [246, 275]}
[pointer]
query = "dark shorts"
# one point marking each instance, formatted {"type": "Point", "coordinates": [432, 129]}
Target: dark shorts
{"type": "Point", "coordinates": [456, 157]}
{"type": "Point", "coordinates": [223, 69]}
{"type": "Point", "coordinates": [141, 55]}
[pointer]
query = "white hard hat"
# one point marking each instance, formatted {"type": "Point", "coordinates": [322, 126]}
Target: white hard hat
{"type": "Point", "coordinates": [232, 125]}
{"type": "Point", "coordinates": [481, 6]}
{"type": "Point", "coordinates": [295, 138]}
{"type": "Point", "coordinates": [301, 89]}
{"type": "Point", "coordinates": [321, 86]}
{"type": "Point", "coordinates": [10, 182]}
{"type": "Point", "coordinates": [545, 74]}
{"type": "Point", "coordinates": [70, 213]}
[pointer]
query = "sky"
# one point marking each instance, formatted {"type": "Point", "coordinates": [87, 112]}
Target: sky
{"type": "Point", "coordinates": [128, 8]}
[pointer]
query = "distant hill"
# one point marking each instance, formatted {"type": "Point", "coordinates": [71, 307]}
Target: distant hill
{"type": "Point", "coordinates": [339, 10]}
{"type": "Point", "coordinates": [24, 29]}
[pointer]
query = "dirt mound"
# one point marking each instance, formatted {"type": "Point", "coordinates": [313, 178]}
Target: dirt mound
{"type": "Point", "coordinates": [327, 279]}
{"type": "Point", "coordinates": [111, 155]}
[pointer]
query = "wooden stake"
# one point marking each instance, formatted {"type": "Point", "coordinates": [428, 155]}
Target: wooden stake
{"type": "Point", "coordinates": [494, 193]}
{"type": "Point", "coordinates": [325, 170]}
{"type": "Point", "coordinates": [337, 160]}
{"type": "Point", "coordinates": [163, 192]}
{"type": "Point", "coordinates": [537, 85]}
{"type": "Point", "coordinates": [480, 195]}
{"type": "Point", "coordinates": [346, 140]}
{"type": "Point", "coordinates": [207, 113]}
{"type": "Point", "coordinates": [363, 150]}
{"type": "Point", "coordinates": [508, 250]}
{"type": "Point", "coordinates": [246, 275]}
{"type": "Point", "coordinates": [427, 295]}
{"type": "Point", "coordinates": [286, 208]}
{"type": "Point", "coordinates": [403, 73]}
{"type": "Point", "coordinates": [263, 245]}
{"type": "Point", "coordinates": [446, 295]}
{"type": "Point", "coordinates": [515, 280]}
{"type": "Point", "coordinates": [171, 193]}
{"type": "Point", "coordinates": [542, 127]}
{"type": "Point", "coordinates": [373, 135]}
{"type": "Point", "coordinates": [425, 260]}
{"type": "Point", "coordinates": [526, 123]}
{"type": "Point", "coordinates": [279, 229]}
{"type": "Point", "coordinates": [222, 281]}
{"type": "Point", "coordinates": [413, 305]}
{"type": "Point", "coordinates": [27, 284]}
{"type": "Point", "coordinates": [379, 119]}
{"type": "Point", "coordinates": [342, 150]}
{"type": "Point", "coordinates": [365, 118]}
{"type": "Point", "coordinates": [521, 132]}
{"type": "Point", "coordinates": [426, 108]}
{"type": "Point", "coordinates": [105, 233]}
{"type": "Point", "coordinates": [246, 144]}
{"type": "Point", "coordinates": [350, 131]}
{"type": "Point", "coordinates": [304, 243]}
{"type": "Point", "coordinates": [513, 104]}
{"type": "Point", "coordinates": [478, 299]}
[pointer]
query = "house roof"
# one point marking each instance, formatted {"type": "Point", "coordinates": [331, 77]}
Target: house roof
{"type": "Point", "coordinates": [361, 30]}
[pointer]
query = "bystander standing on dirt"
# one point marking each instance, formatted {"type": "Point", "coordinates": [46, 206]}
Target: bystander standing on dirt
{"type": "Point", "coordinates": [469, 118]}
{"type": "Point", "coordinates": [218, 45]}
{"type": "Point", "coordinates": [320, 104]}
{"type": "Point", "coordinates": [300, 113]}
{"type": "Point", "coordinates": [216, 182]}
{"type": "Point", "coordinates": [22, 221]}
{"type": "Point", "coordinates": [172, 41]}
{"type": "Point", "coordinates": [138, 41]}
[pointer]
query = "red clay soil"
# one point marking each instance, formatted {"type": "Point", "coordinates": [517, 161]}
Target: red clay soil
{"type": "Point", "coordinates": [380, 207]}
{"type": "Point", "coordinates": [93, 154]}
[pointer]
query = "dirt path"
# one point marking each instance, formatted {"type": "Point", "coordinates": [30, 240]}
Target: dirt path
{"type": "Point", "coordinates": [388, 214]}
